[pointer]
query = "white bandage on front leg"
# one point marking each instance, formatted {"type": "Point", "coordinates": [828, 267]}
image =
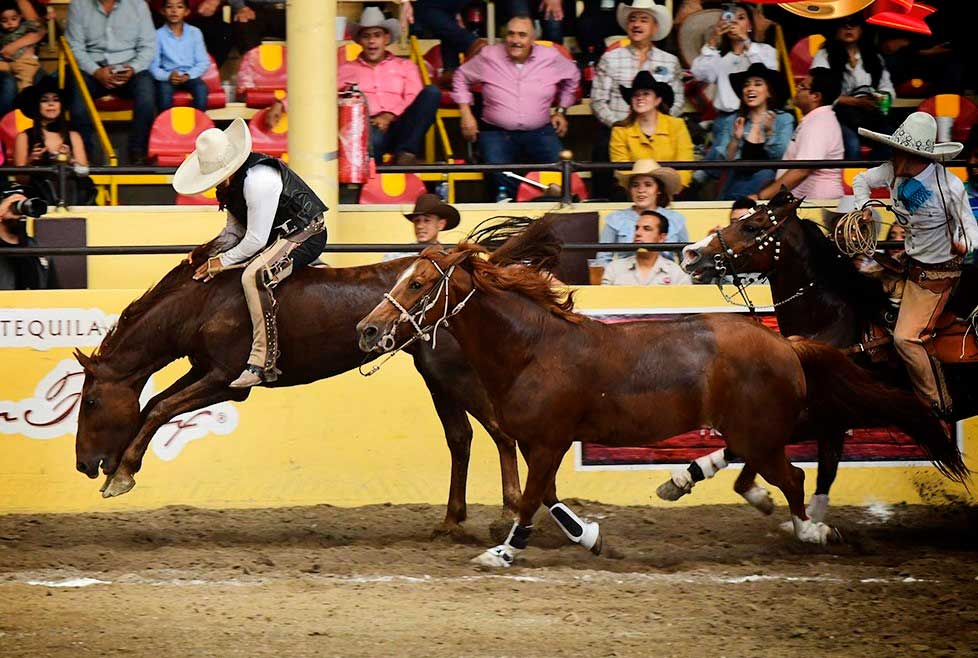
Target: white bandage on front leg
{"type": "Point", "coordinates": [818, 507]}
{"type": "Point", "coordinates": [760, 498]}
{"type": "Point", "coordinates": [578, 530]}
{"type": "Point", "coordinates": [711, 463]}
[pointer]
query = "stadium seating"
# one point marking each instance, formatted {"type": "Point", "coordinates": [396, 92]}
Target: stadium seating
{"type": "Point", "coordinates": [208, 198]}
{"type": "Point", "coordinates": [801, 55]}
{"type": "Point", "coordinates": [392, 188]}
{"type": "Point", "coordinates": [848, 175]}
{"type": "Point", "coordinates": [348, 52]}
{"type": "Point", "coordinates": [527, 192]}
{"type": "Point", "coordinates": [262, 76]}
{"type": "Point", "coordinates": [271, 142]}
{"type": "Point", "coordinates": [174, 133]}
{"type": "Point", "coordinates": [12, 124]}
{"type": "Point", "coordinates": [216, 97]}
{"type": "Point", "coordinates": [961, 110]}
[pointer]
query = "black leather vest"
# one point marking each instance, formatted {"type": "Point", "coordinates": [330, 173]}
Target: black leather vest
{"type": "Point", "coordinates": [298, 205]}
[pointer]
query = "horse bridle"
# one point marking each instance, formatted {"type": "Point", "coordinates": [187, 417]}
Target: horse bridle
{"type": "Point", "coordinates": [415, 316]}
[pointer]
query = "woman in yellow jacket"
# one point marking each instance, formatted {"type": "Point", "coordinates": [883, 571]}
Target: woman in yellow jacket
{"type": "Point", "coordinates": [648, 132]}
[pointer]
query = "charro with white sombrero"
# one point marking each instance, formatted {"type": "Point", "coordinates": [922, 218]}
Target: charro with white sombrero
{"type": "Point", "coordinates": [275, 223]}
{"type": "Point", "coordinates": [933, 206]}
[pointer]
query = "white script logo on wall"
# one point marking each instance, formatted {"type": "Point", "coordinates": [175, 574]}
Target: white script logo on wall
{"type": "Point", "coordinates": [44, 328]}
{"type": "Point", "coordinates": [53, 412]}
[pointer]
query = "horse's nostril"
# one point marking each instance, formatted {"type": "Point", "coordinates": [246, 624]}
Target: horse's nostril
{"type": "Point", "coordinates": [370, 331]}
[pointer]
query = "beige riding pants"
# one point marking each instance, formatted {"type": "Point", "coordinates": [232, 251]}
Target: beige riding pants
{"type": "Point", "coordinates": [918, 315]}
{"type": "Point", "coordinates": [263, 273]}
{"type": "Point", "coordinates": [24, 70]}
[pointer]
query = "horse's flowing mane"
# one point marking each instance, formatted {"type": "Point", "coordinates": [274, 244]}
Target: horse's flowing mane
{"type": "Point", "coordinates": [837, 273]}
{"type": "Point", "coordinates": [175, 278]}
{"type": "Point", "coordinates": [521, 264]}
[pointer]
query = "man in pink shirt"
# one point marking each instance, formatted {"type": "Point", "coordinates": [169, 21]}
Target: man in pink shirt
{"type": "Point", "coordinates": [818, 137]}
{"type": "Point", "coordinates": [520, 82]}
{"type": "Point", "coordinates": [401, 109]}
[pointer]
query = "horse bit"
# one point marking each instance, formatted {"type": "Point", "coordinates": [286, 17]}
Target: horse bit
{"type": "Point", "coordinates": [415, 318]}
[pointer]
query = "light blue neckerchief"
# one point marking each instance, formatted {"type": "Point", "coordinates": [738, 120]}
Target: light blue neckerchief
{"type": "Point", "coordinates": [913, 194]}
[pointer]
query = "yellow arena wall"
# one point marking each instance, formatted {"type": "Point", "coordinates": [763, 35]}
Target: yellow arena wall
{"type": "Point", "coordinates": [345, 441]}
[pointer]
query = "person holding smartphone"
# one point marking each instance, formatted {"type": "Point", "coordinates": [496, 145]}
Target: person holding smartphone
{"type": "Point", "coordinates": [114, 43]}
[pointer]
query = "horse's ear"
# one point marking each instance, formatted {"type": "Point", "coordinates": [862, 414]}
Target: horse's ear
{"type": "Point", "coordinates": [86, 361]}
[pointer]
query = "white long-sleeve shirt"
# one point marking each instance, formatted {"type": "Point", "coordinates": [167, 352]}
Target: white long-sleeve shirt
{"type": "Point", "coordinates": [855, 76]}
{"type": "Point", "coordinates": [927, 234]}
{"type": "Point", "coordinates": [262, 189]}
{"type": "Point", "coordinates": [712, 67]}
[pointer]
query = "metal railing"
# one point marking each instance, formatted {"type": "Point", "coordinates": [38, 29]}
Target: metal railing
{"type": "Point", "coordinates": [567, 167]}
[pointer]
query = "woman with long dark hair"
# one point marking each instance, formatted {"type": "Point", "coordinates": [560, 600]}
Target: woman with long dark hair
{"type": "Point", "coordinates": [50, 141]}
{"type": "Point", "coordinates": [849, 51]}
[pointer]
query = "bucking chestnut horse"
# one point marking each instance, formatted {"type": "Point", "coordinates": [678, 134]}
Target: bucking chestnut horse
{"type": "Point", "coordinates": [209, 324]}
{"type": "Point", "coordinates": [555, 377]}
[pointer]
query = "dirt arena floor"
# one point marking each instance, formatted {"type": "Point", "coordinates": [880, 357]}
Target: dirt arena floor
{"type": "Point", "coordinates": [326, 581]}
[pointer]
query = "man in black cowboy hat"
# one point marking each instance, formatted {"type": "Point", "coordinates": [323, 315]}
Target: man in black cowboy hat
{"type": "Point", "coordinates": [430, 217]}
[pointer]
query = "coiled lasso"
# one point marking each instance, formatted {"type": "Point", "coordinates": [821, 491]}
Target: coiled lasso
{"type": "Point", "coordinates": [854, 235]}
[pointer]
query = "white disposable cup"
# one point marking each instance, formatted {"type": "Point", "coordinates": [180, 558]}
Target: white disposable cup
{"type": "Point", "coordinates": [944, 128]}
{"type": "Point", "coordinates": [340, 27]}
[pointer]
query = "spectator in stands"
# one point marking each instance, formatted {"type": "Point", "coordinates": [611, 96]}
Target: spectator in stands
{"type": "Point", "coordinates": [401, 109]}
{"type": "Point", "coordinates": [253, 20]}
{"type": "Point", "coordinates": [645, 23]}
{"type": "Point", "coordinates": [650, 187]}
{"type": "Point", "coordinates": [20, 272]}
{"type": "Point", "coordinates": [850, 53]}
{"type": "Point", "coordinates": [208, 17]}
{"type": "Point", "coordinates": [818, 137]}
{"type": "Point", "coordinates": [648, 132]}
{"type": "Point", "coordinates": [761, 130]}
{"type": "Point", "coordinates": [551, 15]}
{"type": "Point", "coordinates": [181, 58]}
{"type": "Point", "coordinates": [430, 217]}
{"type": "Point", "coordinates": [440, 17]}
{"type": "Point", "coordinates": [597, 22]}
{"type": "Point", "coordinates": [19, 33]}
{"type": "Point", "coordinates": [114, 44]}
{"type": "Point", "coordinates": [646, 268]}
{"type": "Point", "coordinates": [49, 141]}
{"type": "Point", "coordinates": [520, 82]}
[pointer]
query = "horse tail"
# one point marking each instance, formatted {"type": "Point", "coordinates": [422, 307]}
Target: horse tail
{"type": "Point", "coordinates": [844, 395]}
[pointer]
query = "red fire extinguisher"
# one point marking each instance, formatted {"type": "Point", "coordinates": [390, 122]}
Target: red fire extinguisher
{"type": "Point", "coordinates": [353, 136]}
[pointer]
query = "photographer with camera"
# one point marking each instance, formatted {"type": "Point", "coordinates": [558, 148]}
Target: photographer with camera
{"type": "Point", "coordinates": [21, 272]}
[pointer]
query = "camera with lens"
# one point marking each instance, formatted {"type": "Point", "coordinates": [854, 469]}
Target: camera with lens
{"type": "Point", "coordinates": [30, 207]}
{"type": "Point", "coordinates": [728, 12]}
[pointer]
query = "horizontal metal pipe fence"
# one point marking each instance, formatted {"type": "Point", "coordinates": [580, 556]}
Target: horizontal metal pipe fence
{"type": "Point", "coordinates": [565, 167]}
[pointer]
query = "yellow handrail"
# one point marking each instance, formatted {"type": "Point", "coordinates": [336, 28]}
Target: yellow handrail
{"type": "Point", "coordinates": [786, 67]}
{"type": "Point", "coordinates": [103, 137]}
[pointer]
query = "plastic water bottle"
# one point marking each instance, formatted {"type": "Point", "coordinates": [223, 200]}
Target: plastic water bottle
{"type": "Point", "coordinates": [588, 73]}
{"type": "Point", "coordinates": [442, 188]}
{"type": "Point", "coordinates": [502, 196]}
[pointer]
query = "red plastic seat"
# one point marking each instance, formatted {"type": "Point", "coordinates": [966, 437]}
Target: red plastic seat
{"type": "Point", "coordinates": [802, 54]}
{"type": "Point", "coordinates": [216, 97]}
{"type": "Point", "coordinates": [263, 74]}
{"type": "Point", "coordinates": [347, 53]}
{"type": "Point", "coordinates": [271, 142]}
{"type": "Point", "coordinates": [12, 124]}
{"type": "Point", "coordinates": [392, 188]}
{"type": "Point", "coordinates": [433, 63]}
{"type": "Point", "coordinates": [208, 198]}
{"type": "Point", "coordinates": [527, 192]}
{"type": "Point", "coordinates": [174, 134]}
{"type": "Point", "coordinates": [962, 110]}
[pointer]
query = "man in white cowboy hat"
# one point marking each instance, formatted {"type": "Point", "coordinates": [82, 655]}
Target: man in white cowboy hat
{"type": "Point", "coordinates": [401, 108]}
{"type": "Point", "coordinates": [276, 223]}
{"type": "Point", "coordinates": [645, 23]}
{"type": "Point", "coordinates": [940, 231]}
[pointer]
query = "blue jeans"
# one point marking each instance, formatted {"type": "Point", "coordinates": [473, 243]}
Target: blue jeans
{"type": "Point", "coordinates": [550, 29]}
{"type": "Point", "coordinates": [740, 183]}
{"type": "Point", "coordinates": [196, 87]}
{"type": "Point", "coordinates": [510, 146]}
{"type": "Point", "coordinates": [140, 89]}
{"type": "Point", "coordinates": [8, 93]}
{"type": "Point", "coordinates": [406, 132]}
{"type": "Point", "coordinates": [438, 17]}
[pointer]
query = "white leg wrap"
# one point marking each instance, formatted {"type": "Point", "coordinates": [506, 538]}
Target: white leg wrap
{"type": "Point", "coordinates": [682, 479]}
{"type": "Point", "coordinates": [809, 532]}
{"type": "Point", "coordinates": [818, 507]}
{"type": "Point", "coordinates": [579, 531]}
{"type": "Point", "coordinates": [711, 463]}
{"type": "Point", "coordinates": [760, 498]}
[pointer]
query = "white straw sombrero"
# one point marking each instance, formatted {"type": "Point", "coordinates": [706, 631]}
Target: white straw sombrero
{"type": "Point", "coordinates": [661, 15]}
{"type": "Point", "coordinates": [917, 134]}
{"type": "Point", "coordinates": [218, 154]}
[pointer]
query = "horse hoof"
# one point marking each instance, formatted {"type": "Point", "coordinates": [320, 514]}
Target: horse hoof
{"type": "Point", "coordinates": [760, 499]}
{"type": "Point", "coordinates": [670, 491]}
{"type": "Point", "coordinates": [117, 485]}
{"type": "Point", "coordinates": [496, 558]}
{"type": "Point", "coordinates": [811, 532]}
{"type": "Point", "coordinates": [598, 545]}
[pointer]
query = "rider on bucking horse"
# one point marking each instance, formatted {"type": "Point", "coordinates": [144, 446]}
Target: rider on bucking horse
{"type": "Point", "coordinates": [933, 206]}
{"type": "Point", "coordinates": [275, 224]}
